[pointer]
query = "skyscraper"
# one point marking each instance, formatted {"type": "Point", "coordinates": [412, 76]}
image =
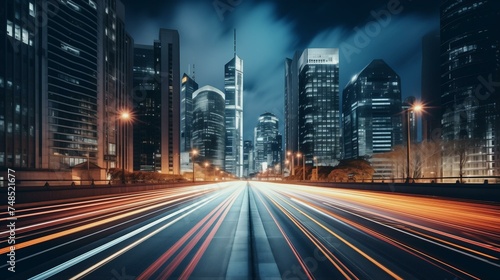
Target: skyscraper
{"type": "Point", "coordinates": [318, 105]}
{"type": "Point", "coordinates": [147, 102]}
{"type": "Point", "coordinates": [115, 144]}
{"type": "Point", "coordinates": [70, 86]}
{"type": "Point", "coordinates": [188, 86]}
{"type": "Point", "coordinates": [208, 131]}
{"type": "Point", "coordinates": [470, 72]}
{"type": "Point", "coordinates": [267, 150]}
{"type": "Point", "coordinates": [291, 103]}
{"type": "Point", "coordinates": [19, 93]}
{"type": "Point", "coordinates": [431, 97]}
{"type": "Point", "coordinates": [248, 162]}
{"type": "Point", "coordinates": [167, 68]}
{"type": "Point", "coordinates": [233, 85]}
{"type": "Point", "coordinates": [371, 113]}
{"type": "Point", "coordinates": [82, 77]}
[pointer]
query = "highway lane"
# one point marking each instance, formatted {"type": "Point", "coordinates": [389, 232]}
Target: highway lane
{"type": "Point", "coordinates": [240, 230]}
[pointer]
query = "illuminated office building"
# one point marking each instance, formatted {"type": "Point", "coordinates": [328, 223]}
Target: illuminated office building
{"type": "Point", "coordinates": [470, 72]}
{"type": "Point", "coordinates": [371, 114]}
{"type": "Point", "coordinates": [208, 129]}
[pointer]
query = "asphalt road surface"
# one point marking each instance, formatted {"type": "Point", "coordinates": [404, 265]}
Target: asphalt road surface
{"type": "Point", "coordinates": [252, 230]}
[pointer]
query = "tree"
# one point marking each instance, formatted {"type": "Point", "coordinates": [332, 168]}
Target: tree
{"type": "Point", "coordinates": [357, 169]}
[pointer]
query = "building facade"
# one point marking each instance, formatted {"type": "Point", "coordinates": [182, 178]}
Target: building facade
{"type": "Point", "coordinates": [188, 87]}
{"type": "Point", "coordinates": [233, 85]}
{"type": "Point", "coordinates": [208, 128]}
{"type": "Point", "coordinates": [318, 106]}
{"type": "Point", "coordinates": [116, 143]}
{"type": "Point", "coordinates": [167, 69]}
{"type": "Point", "coordinates": [78, 78]}
{"type": "Point", "coordinates": [248, 161]}
{"type": "Point", "coordinates": [267, 150]}
{"type": "Point", "coordinates": [147, 102]}
{"type": "Point", "coordinates": [371, 114]}
{"type": "Point", "coordinates": [291, 105]}
{"type": "Point", "coordinates": [470, 51]}
{"type": "Point", "coordinates": [19, 90]}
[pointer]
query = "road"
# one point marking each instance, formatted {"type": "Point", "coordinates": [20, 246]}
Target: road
{"type": "Point", "coordinates": [254, 230]}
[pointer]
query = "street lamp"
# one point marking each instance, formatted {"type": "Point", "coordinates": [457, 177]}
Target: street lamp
{"type": "Point", "coordinates": [124, 117]}
{"type": "Point", "coordinates": [299, 155]}
{"type": "Point", "coordinates": [292, 160]}
{"type": "Point", "coordinates": [416, 107]}
{"type": "Point", "coordinates": [194, 152]}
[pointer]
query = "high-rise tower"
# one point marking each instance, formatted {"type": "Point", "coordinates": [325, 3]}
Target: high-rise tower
{"type": "Point", "coordinates": [233, 85]}
{"type": "Point", "coordinates": [318, 104]}
{"type": "Point", "coordinates": [208, 129]}
{"type": "Point", "coordinates": [372, 119]}
{"type": "Point", "coordinates": [267, 150]}
{"type": "Point", "coordinates": [188, 87]}
{"type": "Point", "coordinates": [470, 73]}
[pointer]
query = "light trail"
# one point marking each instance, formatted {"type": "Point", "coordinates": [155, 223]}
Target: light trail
{"type": "Point", "coordinates": [53, 271]}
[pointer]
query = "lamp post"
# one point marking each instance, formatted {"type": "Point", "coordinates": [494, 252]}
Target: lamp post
{"type": "Point", "coordinates": [124, 116]}
{"type": "Point", "coordinates": [299, 155]}
{"type": "Point", "coordinates": [193, 154]}
{"type": "Point", "coordinates": [292, 160]}
{"type": "Point", "coordinates": [414, 108]}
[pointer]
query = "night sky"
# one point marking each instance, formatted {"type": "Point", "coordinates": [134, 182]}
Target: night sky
{"type": "Point", "coordinates": [270, 31]}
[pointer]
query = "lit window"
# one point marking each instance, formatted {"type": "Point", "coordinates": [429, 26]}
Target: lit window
{"type": "Point", "coordinates": [112, 149]}
{"type": "Point", "coordinates": [92, 4]}
{"type": "Point", "coordinates": [73, 5]}
{"type": "Point", "coordinates": [9, 28]}
{"type": "Point", "coordinates": [32, 9]}
{"type": "Point", "coordinates": [17, 32]}
{"type": "Point", "coordinates": [25, 36]}
{"type": "Point", "coordinates": [70, 49]}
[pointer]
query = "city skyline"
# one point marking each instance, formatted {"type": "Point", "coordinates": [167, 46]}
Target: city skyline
{"type": "Point", "coordinates": [270, 31]}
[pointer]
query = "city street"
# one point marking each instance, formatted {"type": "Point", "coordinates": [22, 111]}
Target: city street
{"type": "Point", "coordinates": [255, 230]}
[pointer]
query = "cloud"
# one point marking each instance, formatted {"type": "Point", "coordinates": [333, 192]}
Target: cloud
{"type": "Point", "coordinates": [398, 43]}
{"type": "Point", "coordinates": [265, 39]}
{"type": "Point", "coordinates": [262, 42]}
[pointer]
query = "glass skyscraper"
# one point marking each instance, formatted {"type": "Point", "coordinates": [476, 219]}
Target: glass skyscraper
{"type": "Point", "coordinates": [188, 86]}
{"type": "Point", "coordinates": [19, 102]}
{"type": "Point", "coordinates": [318, 105]}
{"type": "Point", "coordinates": [167, 68]}
{"type": "Point", "coordinates": [69, 103]}
{"type": "Point", "coordinates": [470, 72]}
{"type": "Point", "coordinates": [70, 77]}
{"type": "Point", "coordinates": [267, 150]}
{"type": "Point", "coordinates": [233, 85]}
{"type": "Point", "coordinates": [208, 129]}
{"type": "Point", "coordinates": [147, 104]}
{"type": "Point", "coordinates": [371, 114]}
{"type": "Point", "coordinates": [291, 103]}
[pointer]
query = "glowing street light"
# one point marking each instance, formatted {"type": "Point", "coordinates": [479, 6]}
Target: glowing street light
{"type": "Point", "coordinates": [416, 107]}
{"type": "Point", "coordinates": [299, 155]}
{"type": "Point", "coordinates": [125, 118]}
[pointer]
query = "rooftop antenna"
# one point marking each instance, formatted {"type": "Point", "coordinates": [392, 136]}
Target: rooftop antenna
{"type": "Point", "coordinates": [193, 73]}
{"type": "Point", "coordinates": [235, 42]}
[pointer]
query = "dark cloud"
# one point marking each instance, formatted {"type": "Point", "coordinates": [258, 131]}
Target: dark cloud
{"type": "Point", "coordinates": [270, 31]}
